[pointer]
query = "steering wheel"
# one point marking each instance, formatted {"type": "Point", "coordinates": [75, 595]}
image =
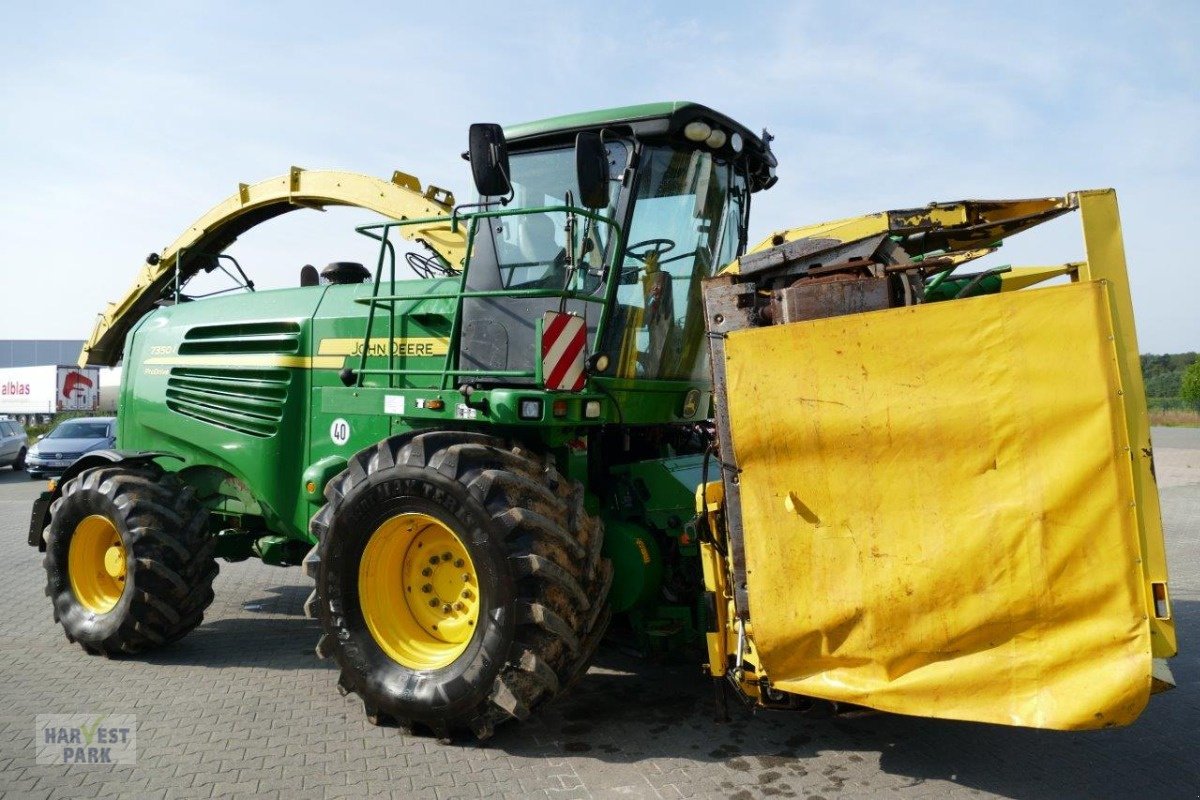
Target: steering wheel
{"type": "Point", "coordinates": [656, 246]}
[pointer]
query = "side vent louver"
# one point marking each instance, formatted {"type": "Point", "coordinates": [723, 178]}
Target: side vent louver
{"type": "Point", "coordinates": [243, 400]}
{"type": "Point", "coordinates": [242, 337]}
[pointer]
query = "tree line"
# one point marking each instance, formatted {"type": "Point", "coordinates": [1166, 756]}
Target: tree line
{"type": "Point", "coordinates": [1172, 380]}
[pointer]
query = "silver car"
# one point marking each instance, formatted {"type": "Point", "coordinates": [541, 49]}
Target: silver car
{"type": "Point", "coordinates": [12, 443]}
{"type": "Point", "coordinates": [58, 449]}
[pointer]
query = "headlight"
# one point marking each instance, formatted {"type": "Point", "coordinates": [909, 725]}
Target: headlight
{"type": "Point", "coordinates": [530, 408]}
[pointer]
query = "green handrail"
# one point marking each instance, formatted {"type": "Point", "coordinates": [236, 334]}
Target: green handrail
{"type": "Point", "coordinates": [380, 232]}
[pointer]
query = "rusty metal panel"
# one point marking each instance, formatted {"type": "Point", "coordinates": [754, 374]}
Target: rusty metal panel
{"type": "Point", "coordinates": [729, 307]}
{"type": "Point", "coordinates": [831, 298]}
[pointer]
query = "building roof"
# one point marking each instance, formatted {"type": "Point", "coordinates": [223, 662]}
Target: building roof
{"type": "Point", "coordinates": [39, 352]}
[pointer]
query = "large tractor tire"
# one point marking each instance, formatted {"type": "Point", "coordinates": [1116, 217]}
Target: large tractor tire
{"type": "Point", "coordinates": [459, 582]}
{"type": "Point", "coordinates": [129, 562]}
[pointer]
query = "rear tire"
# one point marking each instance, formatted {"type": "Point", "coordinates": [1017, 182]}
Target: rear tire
{"type": "Point", "coordinates": [534, 554]}
{"type": "Point", "coordinates": [129, 562]}
{"type": "Point", "coordinates": [19, 464]}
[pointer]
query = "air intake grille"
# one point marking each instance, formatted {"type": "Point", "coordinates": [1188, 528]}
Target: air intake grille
{"type": "Point", "coordinates": [242, 337]}
{"type": "Point", "coordinates": [242, 400]}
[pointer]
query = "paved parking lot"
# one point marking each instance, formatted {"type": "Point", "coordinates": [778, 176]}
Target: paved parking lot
{"type": "Point", "coordinates": [241, 707]}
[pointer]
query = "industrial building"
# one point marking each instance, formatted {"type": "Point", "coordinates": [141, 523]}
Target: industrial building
{"type": "Point", "coordinates": [39, 352]}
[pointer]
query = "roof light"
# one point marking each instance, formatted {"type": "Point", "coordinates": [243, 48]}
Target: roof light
{"type": "Point", "coordinates": [716, 139]}
{"type": "Point", "coordinates": [697, 130]}
{"type": "Point", "coordinates": [735, 141]}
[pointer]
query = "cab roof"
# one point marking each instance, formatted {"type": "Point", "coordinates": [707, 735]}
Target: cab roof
{"type": "Point", "coordinates": [648, 120]}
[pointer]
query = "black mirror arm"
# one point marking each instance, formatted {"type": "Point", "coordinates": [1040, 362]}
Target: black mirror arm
{"type": "Point", "coordinates": [504, 201]}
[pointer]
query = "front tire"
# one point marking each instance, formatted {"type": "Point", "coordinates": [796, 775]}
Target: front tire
{"type": "Point", "coordinates": [506, 531]}
{"type": "Point", "coordinates": [128, 562]}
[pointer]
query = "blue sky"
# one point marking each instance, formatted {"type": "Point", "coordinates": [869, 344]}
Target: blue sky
{"type": "Point", "coordinates": [122, 123]}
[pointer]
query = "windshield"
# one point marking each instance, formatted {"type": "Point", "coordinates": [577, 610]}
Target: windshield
{"type": "Point", "coordinates": [80, 430]}
{"type": "Point", "coordinates": [686, 224]}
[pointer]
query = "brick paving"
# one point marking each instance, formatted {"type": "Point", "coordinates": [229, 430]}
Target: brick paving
{"type": "Point", "coordinates": [241, 708]}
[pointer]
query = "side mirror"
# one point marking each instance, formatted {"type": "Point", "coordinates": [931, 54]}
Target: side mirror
{"type": "Point", "coordinates": [40, 437]}
{"type": "Point", "coordinates": [489, 159]}
{"type": "Point", "coordinates": [591, 170]}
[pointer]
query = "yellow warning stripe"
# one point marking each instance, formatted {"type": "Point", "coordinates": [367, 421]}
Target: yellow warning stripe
{"type": "Point", "coordinates": [401, 346]}
{"type": "Point", "coordinates": [250, 360]}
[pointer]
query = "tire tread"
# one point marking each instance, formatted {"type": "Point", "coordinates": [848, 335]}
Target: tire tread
{"type": "Point", "coordinates": [553, 551]}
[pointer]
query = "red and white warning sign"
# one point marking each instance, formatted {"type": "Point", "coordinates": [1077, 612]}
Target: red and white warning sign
{"type": "Point", "coordinates": [564, 340]}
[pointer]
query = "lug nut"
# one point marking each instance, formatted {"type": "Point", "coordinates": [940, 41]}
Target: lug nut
{"type": "Point", "coordinates": [446, 556]}
{"type": "Point", "coordinates": [466, 578]}
{"type": "Point", "coordinates": [433, 603]}
{"type": "Point", "coordinates": [459, 606]}
{"type": "Point", "coordinates": [427, 588]}
{"type": "Point", "coordinates": [466, 594]}
{"type": "Point", "coordinates": [433, 560]}
{"type": "Point", "coordinates": [459, 563]}
{"type": "Point", "coordinates": [446, 608]}
{"type": "Point", "coordinates": [427, 571]}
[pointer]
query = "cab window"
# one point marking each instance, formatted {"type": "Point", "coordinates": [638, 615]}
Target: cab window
{"type": "Point", "coordinates": [685, 225]}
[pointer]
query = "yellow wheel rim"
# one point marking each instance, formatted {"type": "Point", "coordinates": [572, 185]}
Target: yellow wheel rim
{"type": "Point", "coordinates": [96, 564]}
{"type": "Point", "coordinates": [418, 591]}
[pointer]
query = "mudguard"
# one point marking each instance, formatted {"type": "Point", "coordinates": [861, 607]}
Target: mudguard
{"type": "Point", "coordinates": [39, 518]}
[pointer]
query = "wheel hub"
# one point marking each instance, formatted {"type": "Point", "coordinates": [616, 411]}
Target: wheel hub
{"type": "Point", "coordinates": [418, 591]}
{"type": "Point", "coordinates": [114, 561]}
{"type": "Point", "coordinates": [96, 564]}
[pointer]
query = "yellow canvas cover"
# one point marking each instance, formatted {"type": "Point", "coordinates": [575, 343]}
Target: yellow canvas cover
{"type": "Point", "coordinates": [938, 510]}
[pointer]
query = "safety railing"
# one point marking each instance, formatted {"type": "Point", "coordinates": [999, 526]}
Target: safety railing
{"type": "Point", "coordinates": [450, 370]}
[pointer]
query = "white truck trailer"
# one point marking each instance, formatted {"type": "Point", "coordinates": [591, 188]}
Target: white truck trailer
{"type": "Point", "coordinates": [38, 393]}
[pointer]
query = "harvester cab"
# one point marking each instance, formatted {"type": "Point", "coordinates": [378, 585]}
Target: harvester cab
{"type": "Point", "coordinates": [596, 404]}
{"type": "Point", "coordinates": [615, 219]}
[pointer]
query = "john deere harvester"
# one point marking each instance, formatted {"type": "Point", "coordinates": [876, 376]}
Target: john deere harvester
{"type": "Point", "coordinates": [843, 466]}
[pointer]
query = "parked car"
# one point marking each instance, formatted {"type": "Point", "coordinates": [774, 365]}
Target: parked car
{"type": "Point", "coordinates": [12, 443]}
{"type": "Point", "coordinates": [57, 450]}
